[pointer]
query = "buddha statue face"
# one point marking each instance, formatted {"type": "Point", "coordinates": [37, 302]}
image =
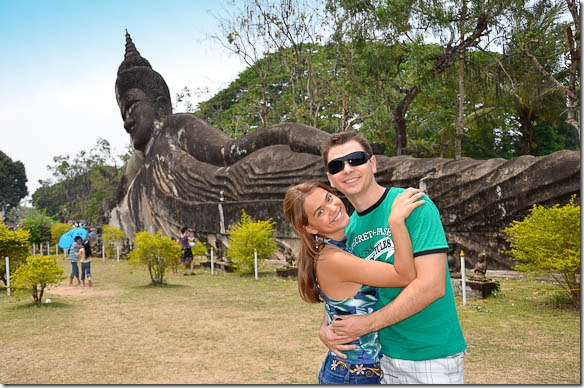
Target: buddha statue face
{"type": "Point", "coordinates": [143, 114]}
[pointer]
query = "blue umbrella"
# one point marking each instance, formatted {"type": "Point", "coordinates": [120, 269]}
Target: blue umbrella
{"type": "Point", "coordinates": [68, 238]}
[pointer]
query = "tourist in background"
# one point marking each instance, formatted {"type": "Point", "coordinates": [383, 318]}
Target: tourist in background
{"type": "Point", "coordinates": [84, 255]}
{"type": "Point", "coordinates": [74, 258]}
{"type": "Point", "coordinates": [187, 254]}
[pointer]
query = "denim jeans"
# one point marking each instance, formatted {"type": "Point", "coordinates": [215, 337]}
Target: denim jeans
{"type": "Point", "coordinates": [85, 270]}
{"type": "Point", "coordinates": [74, 270]}
{"type": "Point", "coordinates": [338, 371]}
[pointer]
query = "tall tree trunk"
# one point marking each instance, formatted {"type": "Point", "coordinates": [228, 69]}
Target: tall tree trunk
{"type": "Point", "coordinates": [459, 127]}
{"type": "Point", "coordinates": [399, 119]}
{"type": "Point", "coordinates": [526, 129]}
{"type": "Point", "coordinates": [459, 132]}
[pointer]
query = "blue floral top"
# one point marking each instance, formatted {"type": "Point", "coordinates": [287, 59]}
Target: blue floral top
{"type": "Point", "coordinates": [368, 349]}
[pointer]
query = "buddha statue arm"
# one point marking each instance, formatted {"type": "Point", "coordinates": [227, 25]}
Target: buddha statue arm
{"type": "Point", "coordinates": [210, 145]}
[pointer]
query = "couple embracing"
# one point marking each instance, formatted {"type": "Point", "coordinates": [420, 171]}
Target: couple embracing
{"type": "Point", "coordinates": [382, 274]}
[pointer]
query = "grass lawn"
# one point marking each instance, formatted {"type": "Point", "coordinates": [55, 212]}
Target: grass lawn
{"type": "Point", "coordinates": [229, 329]}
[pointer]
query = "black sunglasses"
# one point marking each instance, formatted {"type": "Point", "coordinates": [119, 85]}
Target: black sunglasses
{"type": "Point", "coordinates": [354, 159]}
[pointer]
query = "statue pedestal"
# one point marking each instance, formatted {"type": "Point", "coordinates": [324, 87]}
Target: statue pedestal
{"type": "Point", "coordinates": [287, 272]}
{"type": "Point", "coordinates": [218, 265]}
{"type": "Point", "coordinates": [475, 287]}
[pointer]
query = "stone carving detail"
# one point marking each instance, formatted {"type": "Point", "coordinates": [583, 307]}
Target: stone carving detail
{"type": "Point", "coordinates": [186, 172]}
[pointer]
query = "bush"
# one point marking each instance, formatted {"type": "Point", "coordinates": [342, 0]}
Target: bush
{"type": "Point", "coordinates": [247, 236]}
{"type": "Point", "coordinates": [15, 246]}
{"type": "Point", "coordinates": [59, 229]}
{"type": "Point", "coordinates": [547, 242]}
{"type": "Point", "coordinates": [155, 252]}
{"type": "Point", "coordinates": [200, 249]}
{"type": "Point", "coordinates": [111, 238]}
{"type": "Point", "coordinates": [36, 275]}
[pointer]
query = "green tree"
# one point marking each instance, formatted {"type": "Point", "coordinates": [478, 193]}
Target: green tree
{"type": "Point", "coordinates": [39, 226]}
{"type": "Point", "coordinates": [14, 244]}
{"type": "Point", "coordinates": [12, 183]}
{"type": "Point", "coordinates": [111, 237]}
{"type": "Point", "coordinates": [156, 253]}
{"type": "Point", "coordinates": [38, 273]}
{"type": "Point", "coordinates": [81, 185]}
{"type": "Point", "coordinates": [248, 236]}
{"type": "Point", "coordinates": [547, 241]}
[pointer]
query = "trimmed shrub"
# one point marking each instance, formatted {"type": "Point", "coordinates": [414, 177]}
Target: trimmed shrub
{"type": "Point", "coordinates": [156, 253]}
{"type": "Point", "coordinates": [247, 236]}
{"type": "Point", "coordinates": [36, 275]}
{"type": "Point", "coordinates": [547, 241]}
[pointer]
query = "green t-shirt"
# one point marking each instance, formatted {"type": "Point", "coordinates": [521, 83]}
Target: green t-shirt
{"type": "Point", "coordinates": [434, 332]}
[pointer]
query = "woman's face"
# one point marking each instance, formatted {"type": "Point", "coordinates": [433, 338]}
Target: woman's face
{"type": "Point", "coordinates": [327, 215]}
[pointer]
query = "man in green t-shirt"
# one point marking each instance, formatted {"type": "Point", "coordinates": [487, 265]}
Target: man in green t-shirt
{"type": "Point", "coordinates": [418, 325]}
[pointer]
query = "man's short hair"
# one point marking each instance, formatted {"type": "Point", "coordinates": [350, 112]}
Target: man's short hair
{"type": "Point", "coordinates": [341, 138]}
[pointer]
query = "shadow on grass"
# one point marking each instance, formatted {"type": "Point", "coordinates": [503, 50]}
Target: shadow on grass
{"type": "Point", "coordinates": [44, 305]}
{"type": "Point", "coordinates": [159, 286]}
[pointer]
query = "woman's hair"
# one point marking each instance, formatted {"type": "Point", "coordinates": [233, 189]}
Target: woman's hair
{"type": "Point", "coordinates": [294, 212]}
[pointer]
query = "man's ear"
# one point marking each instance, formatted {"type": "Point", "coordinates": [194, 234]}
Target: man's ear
{"type": "Point", "coordinates": [331, 184]}
{"type": "Point", "coordinates": [310, 229]}
{"type": "Point", "coordinates": [373, 163]}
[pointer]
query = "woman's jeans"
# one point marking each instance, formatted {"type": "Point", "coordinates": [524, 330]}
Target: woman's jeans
{"type": "Point", "coordinates": [338, 371]}
{"type": "Point", "coordinates": [85, 270]}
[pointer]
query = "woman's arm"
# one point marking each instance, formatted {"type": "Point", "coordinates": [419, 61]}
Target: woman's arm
{"type": "Point", "coordinates": [339, 266]}
{"type": "Point", "coordinates": [402, 207]}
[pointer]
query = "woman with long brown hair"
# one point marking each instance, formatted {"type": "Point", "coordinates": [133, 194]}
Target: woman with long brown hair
{"type": "Point", "coordinates": [329, 273]}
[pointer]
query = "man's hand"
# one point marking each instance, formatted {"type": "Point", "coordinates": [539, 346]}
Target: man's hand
{"type": "Point", "coordinates": [335, 342]}
{"type": "Point", "coordinates": [352, 325]}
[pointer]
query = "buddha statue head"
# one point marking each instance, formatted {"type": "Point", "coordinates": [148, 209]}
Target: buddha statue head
{"type": "Point", "coordinates": [142, 95]}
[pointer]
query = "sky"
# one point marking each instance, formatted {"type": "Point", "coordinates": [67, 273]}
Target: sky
{"type": "Point", "coordinates": [58, 64]}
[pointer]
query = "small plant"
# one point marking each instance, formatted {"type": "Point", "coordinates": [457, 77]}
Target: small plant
{"type": "Point", "coordinates": [36, 275]}
{"type": "Point", "coordinates": [547, 241]}
{"type": "Point", "coordinates": [155, 252]}
{"type": "Point", "coordinates": [14, 244]}
{"type": "Point", "coordinates": [112, 238]}
{"type": "Point", "coordinates": [248, 236]}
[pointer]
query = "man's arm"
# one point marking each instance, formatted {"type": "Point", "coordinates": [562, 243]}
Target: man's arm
{"type": "Point", "coordinates": [428, 286]}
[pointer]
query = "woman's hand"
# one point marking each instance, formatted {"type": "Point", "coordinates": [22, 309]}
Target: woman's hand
{"type": "Point", "coordinates": [405, 203]}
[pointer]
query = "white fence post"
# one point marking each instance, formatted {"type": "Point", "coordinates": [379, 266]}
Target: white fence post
{"type": "Point", "coordinates": [211, 260]}
{"type": "Point", "coordinates": [8, 275]}
{"type": "Point", "coordinates": [255, 263]}
{"type": "Point", "coordinates": [463, 277]}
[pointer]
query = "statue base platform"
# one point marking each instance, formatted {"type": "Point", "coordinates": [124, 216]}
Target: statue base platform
{"type": "Point", "coordinates": [475, 287]}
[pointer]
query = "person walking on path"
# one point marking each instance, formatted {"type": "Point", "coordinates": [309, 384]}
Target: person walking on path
{"type": "Point", "coordinates": [74, 258]}
{"type": "Point", "coordinates": [84, 255]}
{"type": "Point", "coordinates": [419, 330]}
{"type": "Point", "coordinates": [187, 254]}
